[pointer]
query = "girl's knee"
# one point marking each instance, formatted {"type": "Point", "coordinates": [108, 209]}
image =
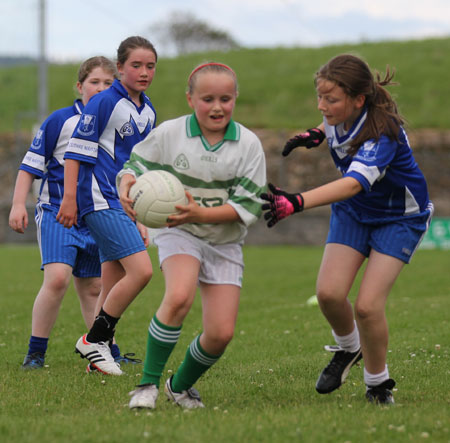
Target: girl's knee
{"type": "Point", "coordinates": [220, 338]}
{"type": "Point", "coordinates": [143, 276]}
{"type": "Point", "coordinates": [57, 282]}
{"type": "Point", "coordinates": [327, 296]}
{"type": "Point", "coordinates": [147, 276]}
{"type": "Point", "coordinates": [364, 311]}
{"type": "Point", "coordinates": [177, 304]}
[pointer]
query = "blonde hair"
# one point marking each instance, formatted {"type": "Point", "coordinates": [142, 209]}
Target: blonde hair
{"type": "Point", "coordinates": [94, 62]}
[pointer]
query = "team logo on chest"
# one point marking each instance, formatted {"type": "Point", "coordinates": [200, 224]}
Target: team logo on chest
{"type": "Point", "coordinates": [127, 129]}
{"type": "Point", "coordinates": [181, 162]}
{"type": "Point", "coordinates": [86, 125]}
{"type": "Point", "coordinates": [368, 151]}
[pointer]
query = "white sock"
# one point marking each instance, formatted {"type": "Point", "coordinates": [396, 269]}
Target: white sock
{"type": "Point", "coordinates": [376, 379]}
{"type": "Point", "coordinates": [350, 342]}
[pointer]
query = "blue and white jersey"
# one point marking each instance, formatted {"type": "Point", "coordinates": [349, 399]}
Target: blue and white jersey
{"type": "Point", "coordinates": [45, 157]}
{"type": "Point", "coordinates": [109, 127]}
{"type": "Point", "coordinates": [393, 185]}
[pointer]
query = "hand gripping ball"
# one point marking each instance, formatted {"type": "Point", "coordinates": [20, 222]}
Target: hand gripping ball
{"type": "Point", "coordinates": [155, 195]}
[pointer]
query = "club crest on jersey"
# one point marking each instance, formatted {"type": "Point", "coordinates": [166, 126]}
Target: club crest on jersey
{"type": "Point", "coordinates": [86, 125]}
{"type": "Point", "coordinates": [181, 162]}
{"type": "Point", "coordinates": [368, 151]}
{"type": "Point", "coordinates": [127, 129]}
{"type": "Point", "coordinates": [37, 141]}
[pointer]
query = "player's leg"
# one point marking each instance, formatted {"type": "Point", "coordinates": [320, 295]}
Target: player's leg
{"type": "Point", "coordinates": [111, 273]}
{"type": "Point", "coordinates": [337, 273]}
{"type": "Point", "coordinates": [180, 275]}
{"type": "Point", "coordinates": [119, 240]}
{"type": "Point", "coordinates": [138, 272]}
{"type": "Point", "coordinates": [340, 264]}
{"type": "Point", "coordinates": [48, 301]}
{"type": "Point", "coordinates": [347, 246]}
{"type": "Point", "coordinates": [220, 282]}
{"type": "Point", "coordinates": [220, 305]}
{"type": "Point", "coordinates": [379, 277]}
{"type": "Point", "coordinates": [88, 290]}
{"type": "Point", "coordinates": [108, 228]}
{"type": "Point", "coordinates": [45, 311]}
{"type": "Point", "coordinates": [95, 344]}
{"type": "Point", "coordinates": [393, 245]}
{"type": "Point", "coordinates": [87, 274]}
{"type": "Point", "coordinates": [58, 248]}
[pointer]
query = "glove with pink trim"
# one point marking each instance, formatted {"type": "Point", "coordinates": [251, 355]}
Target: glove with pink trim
{"type": "Point", "coordinates": [310, 139]}
{"type": "Point", "coordinates": [280, 205]}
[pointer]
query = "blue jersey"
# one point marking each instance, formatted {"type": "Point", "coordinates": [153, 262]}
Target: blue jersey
{"type": "Point", "coordinates": [109, 127]}
{"type": "Point", "coordinates": [45, 157]}
{"type": "Point", "coordinates": [393, 185]}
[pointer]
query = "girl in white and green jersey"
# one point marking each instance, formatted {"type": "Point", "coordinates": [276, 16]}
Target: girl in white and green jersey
{"type": "Point", "coordinates": [222, 167]}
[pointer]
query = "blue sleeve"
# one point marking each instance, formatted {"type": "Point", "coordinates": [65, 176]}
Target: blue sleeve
{"type": "Point", "coordinates": [371, 161]}
{"type": "Point", "coordinates": [42, 146]}
{"type": "Point", "coordinates": [83, 145]}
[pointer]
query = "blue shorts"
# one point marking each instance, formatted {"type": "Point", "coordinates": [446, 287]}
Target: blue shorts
{"type": "Point", "coordinates": [396, 237]}
{"type": "Point", "coordinates": [74, 247]}
{"type": "Point", "coordinates": [115, 233]}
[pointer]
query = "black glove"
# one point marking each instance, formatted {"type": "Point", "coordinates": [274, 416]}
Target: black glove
{"type": "Point", "coordinates": [310, 139]}
{"type": "Point", "coordinates": [281, 204]}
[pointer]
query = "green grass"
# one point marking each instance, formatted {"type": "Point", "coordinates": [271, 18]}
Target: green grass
{"type": "Point", "coordinates": [262, 390]}
{"type": "Point", "coordinates": [276, 85]}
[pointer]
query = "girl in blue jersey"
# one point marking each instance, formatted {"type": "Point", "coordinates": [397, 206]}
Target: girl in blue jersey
{"type": "Point", "coordinates": [64, 251]}
{"type": "Point", "coordinates": [380, 211]}
{"type": "Point", "coordinates": [111, 124]}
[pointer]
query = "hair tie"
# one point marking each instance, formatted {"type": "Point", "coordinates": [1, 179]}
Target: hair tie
{"type": "Point", "coordinates": [210, 64]}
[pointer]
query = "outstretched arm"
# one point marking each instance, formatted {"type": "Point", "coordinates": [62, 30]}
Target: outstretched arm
{"type": "Point", "coordinates": [281, 204]}
{"type": "Point", "coordinates": [338, 190]}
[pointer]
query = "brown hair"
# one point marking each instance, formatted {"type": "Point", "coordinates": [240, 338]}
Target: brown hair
{"type": "Point", "coordinates": [353, 75]}
{"type": "Point", "coordinates": [210, 67]}
{"type": "Point", "coordinates": [94, 62]}
{"type": "Point", "coordinates": [130, 43]}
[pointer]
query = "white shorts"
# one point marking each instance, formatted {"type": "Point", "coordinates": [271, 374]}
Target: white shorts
{"type": "Point", "coordinates": [219, 264]}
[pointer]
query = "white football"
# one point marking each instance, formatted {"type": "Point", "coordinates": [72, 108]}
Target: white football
{"type": "Point", "coordinates": [155, 195]}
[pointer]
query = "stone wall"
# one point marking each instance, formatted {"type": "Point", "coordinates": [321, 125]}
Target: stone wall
{"type": "Point", "coordinates": [301, 170]}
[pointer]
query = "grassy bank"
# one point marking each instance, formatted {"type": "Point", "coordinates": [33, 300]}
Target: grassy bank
{"type": "Point", "coordinates": [276, 89]}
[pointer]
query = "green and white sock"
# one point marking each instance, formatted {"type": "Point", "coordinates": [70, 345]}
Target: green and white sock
{"type": "Point", "coordinates": [160, 343]}
{"type": "Point", "coordinates": [196, 362]}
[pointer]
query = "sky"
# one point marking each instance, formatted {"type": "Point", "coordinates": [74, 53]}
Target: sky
{"type": "Point", "coordinates": [77, 29]}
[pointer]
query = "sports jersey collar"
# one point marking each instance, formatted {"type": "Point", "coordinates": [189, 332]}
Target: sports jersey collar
{"type": "Point", "coordinates": [122, 91]}
{"type": "Point", "coordinates": [353, 131]}
{"type": "Point", "coordinates": [193, 130]}
{"type": "Point", "coordinates": [78, 106]}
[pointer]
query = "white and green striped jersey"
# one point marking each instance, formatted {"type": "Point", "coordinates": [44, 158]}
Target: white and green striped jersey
{"type": "Point", "coordinates": [231, 172]}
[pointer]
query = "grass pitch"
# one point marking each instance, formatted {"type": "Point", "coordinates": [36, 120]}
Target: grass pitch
{"type": "Point", "coordinates": [262, 390]}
